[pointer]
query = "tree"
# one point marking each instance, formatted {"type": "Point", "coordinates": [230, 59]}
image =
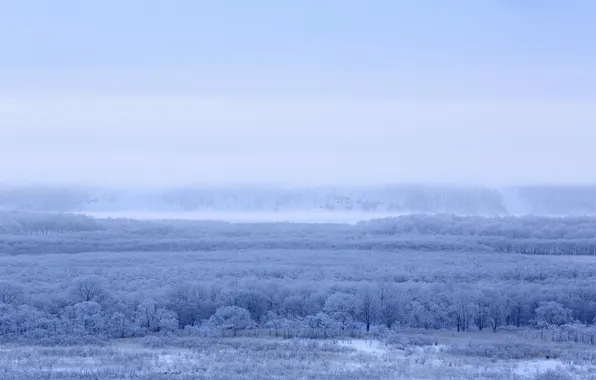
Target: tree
{"type": "Point", "coordinates": [367, 307]}
{"type": "Point", "coordinates": [518, 307]}
{"type": "Point", "coordinates": [420, 315]}
{"type": "Point", "coordinates": [8, 319]}
{"type": "Point", "coordinates": [166, 320]}
{"type": "Point", "coordinates": [28, 320]}
{"type": "Point", "coordinates": [278, 323]}
{"type": "Point", "coordinates": [253, 301]}
{"type": "Point", "coordinates": [497, 310]}
{"type": "Point", "coordinates": [553, 313]}
{"type": "Point", "coordinates": [389, 305]}
{"type": "Point", "coordinates": [342, 307]}
{"type": "Point", "coordinates": [146, 314]}
{"type": "Point", "coordinates": [183, 302]}
{"type": "Point", "coordinates": [294, 306]}
{"type": "Point", "coordinates": [273, 322]}
{"type": "Point", "coordinates": [232, 318]}
{"type": "Point", "coordinates": [481, 305]}
{"type": "Point", "coordinates": [86, 289]}
{"type": "Point", "coordinates": [11, 293]}
{"type": "Point", "coordinates": [119, 326]}
{"type": "Point", "coordinates": [153, 318]}
{"type": "Point", "coordinates": [86, 317]}
{"type": "Point", "coordinates": [462, 309]}
{"type": "Point", "coordinates": [320, 322]}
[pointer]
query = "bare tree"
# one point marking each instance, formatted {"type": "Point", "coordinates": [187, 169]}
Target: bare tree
{"type": "Point", "coordinates": [368, 305]}
{"type": "Point", "coordinates": [88, 289]}
{"type": "Point", "coordinates": [389, 304]}
{"type": "Point", "coordinates": [10, 293]}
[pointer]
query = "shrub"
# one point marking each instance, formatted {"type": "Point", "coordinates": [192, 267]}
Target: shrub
{"type": "Point", "coordinates": [553, 375]}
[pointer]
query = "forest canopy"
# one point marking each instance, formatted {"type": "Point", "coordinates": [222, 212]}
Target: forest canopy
{"type": "Point", "coordinates": [35, 232]}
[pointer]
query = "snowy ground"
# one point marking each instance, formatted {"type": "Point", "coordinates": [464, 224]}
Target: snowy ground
{"type": "Point", "coordinates": [315, 216]}
{"type": "Point", "coordinates": [272, 358]}
{"type": "Point", "coordinates": [372, 347]}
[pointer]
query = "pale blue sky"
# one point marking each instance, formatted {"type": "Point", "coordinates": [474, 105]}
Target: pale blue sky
{"type": "Point", "coordinates": [363, 91]}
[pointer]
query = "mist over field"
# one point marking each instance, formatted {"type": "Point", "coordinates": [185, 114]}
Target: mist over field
{"type": "Point", "coordinates": [276, 203]}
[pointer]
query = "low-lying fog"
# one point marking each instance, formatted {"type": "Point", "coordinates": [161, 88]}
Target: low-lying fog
{"type": "Point", "coordinates": [349, 217]}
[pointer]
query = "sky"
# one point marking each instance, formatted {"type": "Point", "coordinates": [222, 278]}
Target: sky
{"type": "Point", "coordinates": [297, 92]}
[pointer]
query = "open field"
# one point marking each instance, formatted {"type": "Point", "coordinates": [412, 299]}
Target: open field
{"type": "Point", "coordinates": [452, 357]}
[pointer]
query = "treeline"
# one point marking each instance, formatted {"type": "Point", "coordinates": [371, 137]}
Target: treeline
{"type": "Point", "coordinates": [512, 227]}
{"type": "Point", "coordinates": [37, 233]}
{"type": "Point", "coordinates": [398, 198]}
{"type": "Point", "coordinates": [90, 308]}
{"type": "Point", "coordinates": [468, 200]}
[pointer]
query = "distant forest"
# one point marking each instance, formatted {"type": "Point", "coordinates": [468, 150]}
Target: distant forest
{"type": "Point", "coordinates": [39, 233]}
{"type": "Point", "coordinates": [536, 200]}
{"type": "Point", "coordinates": [127, 277]}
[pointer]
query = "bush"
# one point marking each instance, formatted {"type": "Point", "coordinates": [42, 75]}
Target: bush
{"type": "Point", "coordinates": [553, 375]}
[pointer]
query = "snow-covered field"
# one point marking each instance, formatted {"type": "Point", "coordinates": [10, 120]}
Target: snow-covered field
{"type": "Point", "coordinates": [273, 358]}
{"type": "Point", "coordinates": [350, 217]}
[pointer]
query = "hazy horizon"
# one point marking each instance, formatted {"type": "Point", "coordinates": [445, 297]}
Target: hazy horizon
{"type": "Point", "coordinates": [491, 93]}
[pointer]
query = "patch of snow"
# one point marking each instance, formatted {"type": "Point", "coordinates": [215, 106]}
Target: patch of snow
{"type": "Point", "coordinates": [530, 367]}
{"type": "Point", "coordinates": [371, 347]}
{"type": "Point", "coordinates": [74, 365]}
{"type": "Point", "coordinates": [167, 359]}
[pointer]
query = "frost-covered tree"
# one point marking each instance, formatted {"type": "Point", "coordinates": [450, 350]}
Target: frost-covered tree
{"type": "Point", "coordinates": [86, 317]}
{"type": "Point", "coordinates": [30, 322]}
{"type": "Point", "coordinates": [294, 306]}
{"type": "Point", "coordinates": [481, 305]}
{"type": "Point", "coordinates": [278, 323]}
{"type": "Point", "coordinates": [146, 315]}
{"type": "Point", "coordinates": [367, 305]}
{"type": "Point", "coordinates": [420, 315]}
{"type": "Point", "coordinates": [11, 293]}
{"type": "Point", "coordinates": [462, 309]}
{"type": "Point", "coordinates": [273, 322]}
{"type": "Point", "coordinates": [342, 307]}
{"type": "Point", "coordinates": [183, 300]}
{"type": "Point", "coordinates": [232, 318]}
{"type": "Point", "coordinates": [321, 325]}
{"type": "Point", "coordinates": [497, 310]}
{"type": "Point", "coordinates": [253, 301]}
{"type": "Point", "coordinates": [119, 326]}
{"type": "Point", "coordinates": [8, 323]}
{"type": "Point", "coordinates": [153, 318]}
{"type": "Point", "coordinates": [390, 304]}
{"type": "Point", "coordinates": [553, 313]}
{"type": "Point", "coordinates": [166, 320]}
{"type": "Point", "coordinates": [87, 289]}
